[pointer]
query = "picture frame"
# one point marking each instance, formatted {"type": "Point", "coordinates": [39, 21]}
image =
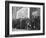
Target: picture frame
{"type": "Point", "coordinates": [10, 6]}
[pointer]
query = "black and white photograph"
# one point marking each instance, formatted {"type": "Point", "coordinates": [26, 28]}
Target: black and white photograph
{"type": "Point", "coordinates": [25, 18]}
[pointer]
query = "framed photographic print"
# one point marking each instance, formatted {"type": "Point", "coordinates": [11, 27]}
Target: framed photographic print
{"type": "Point", "coordinates": [24, 18]}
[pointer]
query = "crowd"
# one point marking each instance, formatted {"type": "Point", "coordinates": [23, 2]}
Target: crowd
{"type": "Point", "coordinates": [28, 24]}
